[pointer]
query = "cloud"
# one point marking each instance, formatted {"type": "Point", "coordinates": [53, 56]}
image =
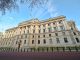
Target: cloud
{"type": "Point", "coordinates": [52, 9]}
{"type": "Point", "coordinates": [78, 26]}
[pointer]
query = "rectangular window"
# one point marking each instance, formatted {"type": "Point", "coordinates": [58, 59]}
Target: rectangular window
{"type": "Point", "coordinates": [44, 41]}
{"type": "Point", "coordinates": [55, 28]}
{"type": "Point", "coordinates": [77, 40]}
{"type": "Point", "coordinates": [60, 22]}
{"type": "Point", "coordinates": [33, 36]}
{"type": "Point", "coordinates": [38, 41]}
{"type": "Point", "coordinates": [53, 23]}
{"type": "Point", "coordinates": [27, 31]}
{"type": "Point", "coordinates": [63, 33]}
{"type": "Point", "coordinates": [43, 30]}
{"type": "Point", "coordinates": [50, 40]}
{"type": "Point", "coordinates": [56, 34]}
{"type": "Point", "coordinates": [44, 25]}
{"type": "Point", "coordinates": [61, 28]}
{"type": "Point", "coordinates": [49, 35]}
{"type": "Point", "coordinates": [48, 24]}
{"type": "Point", "coordinates": [33, 31]}
{"type": "Point", "coordinates": [57, 39]}
{"type": "Point", "coordinates": [32, 41]}
{"type": "Point", "coordinates": [24, 41]}
{"type": "Point", "coordinates": [38, 36]}
{"type": "Point", "coordinates": [25, 36]}
{"type": "Point", "coordinates": [49, 29]}
{"type": "Point", "coordinates": [39, 31]}
{"type": "Point", "coordinates": [74, 33]}
{"type": "Point", "coordinates": [43, 35]}
{"type": "Point", "coordinates": [65, 40]}
{"type": "Point", "coordinates": [24, 32]}
{"type": "Point", "coordinates": [16, 42]}
{"type": "Point", "coordinates": [21, 36]}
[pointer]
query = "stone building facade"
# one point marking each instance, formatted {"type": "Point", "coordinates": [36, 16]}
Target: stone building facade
{"type": "Point", "coordinates": [53, 32]}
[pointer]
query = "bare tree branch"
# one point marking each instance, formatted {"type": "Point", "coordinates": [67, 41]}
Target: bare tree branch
{"type": "Point", "coordinates": [12, 4]}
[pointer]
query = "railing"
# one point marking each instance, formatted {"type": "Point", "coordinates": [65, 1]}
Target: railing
{"type": "Point", "coordinates": [41, 49]}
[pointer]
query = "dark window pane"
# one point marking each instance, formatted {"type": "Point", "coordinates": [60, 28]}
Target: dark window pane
{"type": "Point", "coordinates": [56, 34]}
{"type": "Point", "coordinates": [49, 35]}
{"type": "Point", "coordinates": [57, 39]}
{"type": "Point", "coordinates": [77, 40]}
{"type": "Point", "coordinates": [38, 41]}
{"type": "Point", "coordinates": [44, 41]}
{"type": "Point", "coordinates": [32, 41]}
{"type": "Point", "coordinates": [43, 35]}
{"type": "Point", "coordinates": [24, 41]}
{"type": "Point", "coordinates": [74, 33]}
{"type": "Point", "coordinates": [65, 40]}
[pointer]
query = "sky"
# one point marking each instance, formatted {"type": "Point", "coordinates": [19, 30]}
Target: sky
{"type": "Point", "coordinates": [54, 8]}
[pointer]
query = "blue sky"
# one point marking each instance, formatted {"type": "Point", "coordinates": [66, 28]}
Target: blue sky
{"type": "Point", "coordinates": [68, 8]}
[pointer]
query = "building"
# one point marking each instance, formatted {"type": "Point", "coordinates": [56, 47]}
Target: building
{"type": "Point", "coordinates": [53, 32]}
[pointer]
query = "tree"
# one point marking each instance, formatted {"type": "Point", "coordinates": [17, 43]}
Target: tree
{"type": "Point", "coordinates": [9, 5]}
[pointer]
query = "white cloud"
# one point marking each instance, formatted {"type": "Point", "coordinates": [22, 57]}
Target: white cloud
{"type": "Point", "coordinates": [78, 27]}
{"type": "Point", "coordinates": [52, 9]}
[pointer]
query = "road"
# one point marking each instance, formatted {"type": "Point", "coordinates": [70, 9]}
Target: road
{"type": "Point", "coordinates": [39, 55]}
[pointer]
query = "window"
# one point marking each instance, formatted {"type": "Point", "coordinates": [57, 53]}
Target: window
{"type": "Point", "coordinates": [32, 41]}
{"type": "Point", "coordinates": [33, 31]}
{"type": "Point", "coordinates": [20, 32]}
{"type": "Point", "coordinates": [25, 27]}
{"type": "Point", "coordinates": [43, 25]}
{"type": "Point", "coordinates": [33, 36]}
{"type": "Point", "coordinates": [71, 28]}
{"type": "Point", "coordinates": [27, 31]}
{"type": "Point", "coordinates": [39, 31]}
{"type": "Point", "coordinates": [43, 30]}
{"type": "Point", "coordinates": [60, 22]}
{"type": "Point", "coordinates": [53, 23]}
{"type": "Point", "coordinates": [55, 28]}
{"type": "Point", "coordinates": [49, 29]}
{"type": "Point", "coordinates": [65, 40]}
{"type": "Point", "coordinates": [39, 26]}
{"type": "Point", "coordinates": [21, 36]}
{"type": "Point", "coordinates": [56, 34]}
{"type": "Point", "coordinates": [48, 24]}
{"type": "Point", "coordinates": [74, 33]}
{"type": "Point", "coordinates": [43, 35]}
{"type": "Point", "coordinates": [38, 41]}
{"type": "Point", "coordinates": [61, 28]}
{"type": "Point", "coordinates": [24, 41]}
{"type": "Point", "coordinates": [49, 35]}
{"type": "Point", "coordinates": [63, 33]}
{"type": "Point", "coordinates": [50, 40]}
{"type": "Point", "coordinates": [25, 36]}
{"type": "Point", "coordinates": [24, 32]}
{"type": "Point", "coordinates": [57, 39]}
{"type": "Point", "coordinates": [44, 41]}
{"type": "Point", "coordinates": [77, 40]}
{"type": "Point", "coordinates": [21, 28]}
{"type": "Point", "coordinates": [16, 42]}
{"type": "Point", "coordinates": [38, 36]}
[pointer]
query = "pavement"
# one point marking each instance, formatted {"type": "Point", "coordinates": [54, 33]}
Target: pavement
{"type": "Point", "coordinates": [39, 55]}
